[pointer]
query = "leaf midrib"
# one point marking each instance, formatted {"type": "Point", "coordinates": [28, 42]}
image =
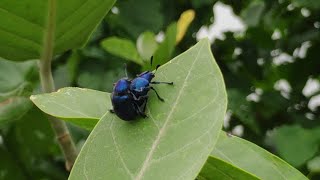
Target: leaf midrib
{"type": "Point", "coordinates": [162, 131]}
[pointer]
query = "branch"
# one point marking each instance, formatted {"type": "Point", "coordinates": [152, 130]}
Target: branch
{"type": "Point", "coordinates": [61, 131]}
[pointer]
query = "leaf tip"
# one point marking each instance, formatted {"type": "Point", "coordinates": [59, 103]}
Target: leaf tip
{"type": "Point", "coordinates": [32, 98]}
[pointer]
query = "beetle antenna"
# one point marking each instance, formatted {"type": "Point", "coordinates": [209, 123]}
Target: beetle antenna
{"type": "Point", "coordinates": [157, 66]}
{"type": "Point", "coordinates": [125, 70]}
{"type": "Point", "coordinates": [151, 60]}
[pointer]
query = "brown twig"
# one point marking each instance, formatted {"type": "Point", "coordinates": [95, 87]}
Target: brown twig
{"type": "Point", "coordinates": [61, 131]}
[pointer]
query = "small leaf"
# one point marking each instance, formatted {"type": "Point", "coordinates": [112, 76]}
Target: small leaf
{"type": "Point", "coordinates": [166, 48]}
{"type": "Point", "coordinates": [123, 48]}
{"type": "Point", "coordinates": [218, 169]}
{"type": "Point", "coordinates": [312, 4]}
{"type": "Point", "coordinates": [23, 25]}
{"type": "Point", "coordinates": [183, 23]}
{"type": "Point", "coordinates": [253, 159]}
{"type": "Point", "coordinates": [15, 87]}
{"type": "Point", "coordinates": [179, 133]}
{"type": "Point", "coordinates": [146, 45]}
{"type": "Point", "coordinates": [13, 109]}
{"type": "Point", "coordinates": [242, 109]}
{"type": "Point", "coordinates": [83, 107]}
{"type": "Point", "coordinates": [304, 143]}
{"type": "Point", "coordinates": [314, 164]}
{"type": "Point", "coordinates": [15, 78]}
{"type": "Point", "coordinates": [146, 14]}
{"type": "Point", "coordinates": [253, 12]}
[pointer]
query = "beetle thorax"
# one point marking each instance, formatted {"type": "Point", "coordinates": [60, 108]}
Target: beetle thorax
{"type": "Point", "coordinates": [139, 84]}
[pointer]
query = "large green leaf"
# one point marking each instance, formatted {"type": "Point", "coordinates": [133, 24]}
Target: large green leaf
{"type": "Point", "coordinates": [179, 133]}
{"type": "Point", "coordinates": [253, 159]}
{"type": "Point", "coordinates": [23, 25]}
{"type": "Point", "coordinates": [123, 48]}
{"type": "Point", "coordinates": [83, 107]}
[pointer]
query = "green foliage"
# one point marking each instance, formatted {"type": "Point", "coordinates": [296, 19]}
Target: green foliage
{"type": "Point", "coordinates": [8, 165]}
{"type": "Point", "coordinates": [242, 109]}
{"type": "Point", "coordinates": [16, 87]}
{"type": "Point", "coordinates": [30, 144]}
{"type": "Point", "coordinates": [314, 164]}
{"type": "Point", "coordinates": [278, 121]}
{"type": "Point", "coordinates": [252, 14]}
{"type": "Point", "coordinates": [122, 48]}
{"type": "Point", "coordinates": [307, 3]}
{"type": "Point", "coordinates": [304, 143]}
{"type": "Point", "coordinates": [146, 45]}
{"type": "Point", "coordinates": [146, 15]}
{"type": "Point", "coordinates": [165, 49]}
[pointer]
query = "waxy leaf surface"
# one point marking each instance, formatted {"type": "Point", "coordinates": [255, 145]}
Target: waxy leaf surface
{"type": "Point", "coordinates": [253, 159]}
{"type": "Point", "coordinates": [179, 133]}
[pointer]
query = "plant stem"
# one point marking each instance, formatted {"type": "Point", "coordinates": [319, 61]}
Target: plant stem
{"type": "Point", "coordinates": [61, 131]}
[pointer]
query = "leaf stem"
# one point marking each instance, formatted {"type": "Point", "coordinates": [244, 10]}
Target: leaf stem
{"type": "Point", "coordinates": [61, 131]}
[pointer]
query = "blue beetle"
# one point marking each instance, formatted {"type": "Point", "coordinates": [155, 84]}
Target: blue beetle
{"type": "Point", "coordinates": [124, 105]}
{"type": "Point", "coordinates": [141, 85]}
{"type": "Point", "coordinates": [129, 97]}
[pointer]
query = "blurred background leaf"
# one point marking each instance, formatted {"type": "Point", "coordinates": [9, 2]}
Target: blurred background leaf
{"type": "Point", "coordinates": [270, 65]}
{"type": "Point", "coordinates": [304, 143]}
{"type": "Point", "coordinates": [16, 85]}
{"type": "Point", "coordinates": [146, 45]}
{"type": "Point", "coordinates": [123, 48]}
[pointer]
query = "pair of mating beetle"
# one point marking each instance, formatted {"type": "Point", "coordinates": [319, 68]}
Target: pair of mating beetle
{"type": "Point", "coordinates": [129, 97]}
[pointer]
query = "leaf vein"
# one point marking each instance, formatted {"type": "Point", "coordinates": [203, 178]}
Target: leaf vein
{"type": "Point", "coordinates": [186, 145]}
{"type": "Point", "coordinates": [163, 129]}
{"type": "Point", "coordinates": [68, 108]}
{"type": "Point", "coordinates": [118, 151]}
{"type": "Point", "coordinates": [24, 19]}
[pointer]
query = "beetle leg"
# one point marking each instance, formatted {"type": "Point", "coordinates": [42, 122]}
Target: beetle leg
{"type": "Point", "coordinates": [125, 70]}
{"type": "Point", "coordinates": [139, 98]}
{"type": "Point", "coordinates": [161, 99]}
{"type": "Point", "coordinates": [111, 111]}
{"type": "Point", "coordinates": [139, 111]}
{"type": "Point", "coordinates": [144, 106]}
{"type": "Point", "coordinates": [157, 82]}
